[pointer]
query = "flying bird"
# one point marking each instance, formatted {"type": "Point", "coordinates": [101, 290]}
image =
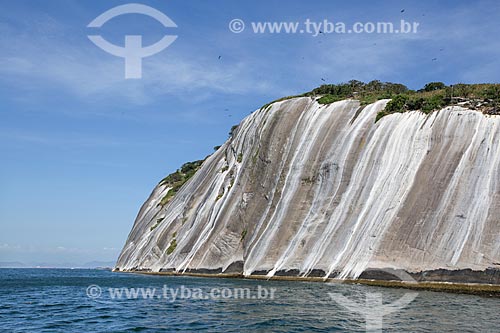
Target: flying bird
{"type": "Point", "coordinates": [220, 57]}
{"type": "Point", "coordinates": [402, 10]}
{"type": "Point", "coordinates": [434, 59]}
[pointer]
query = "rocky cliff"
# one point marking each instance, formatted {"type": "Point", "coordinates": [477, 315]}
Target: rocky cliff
{"type": "Point", "coordinates": [325, 190]}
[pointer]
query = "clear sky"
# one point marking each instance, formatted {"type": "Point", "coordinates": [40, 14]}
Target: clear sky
{"type": "Point", "coordinates": [81, 147]}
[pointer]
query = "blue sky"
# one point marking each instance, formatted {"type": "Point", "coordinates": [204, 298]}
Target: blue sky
{"type": "Point", "coordinates": [81, 147]}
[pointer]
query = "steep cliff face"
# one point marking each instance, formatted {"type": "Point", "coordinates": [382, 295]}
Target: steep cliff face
{"type": "Point", "coordinates": [309, 187]}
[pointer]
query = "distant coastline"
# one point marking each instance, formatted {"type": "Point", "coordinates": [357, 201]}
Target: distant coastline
{"type": "Point", "coordinates": [88, 265]}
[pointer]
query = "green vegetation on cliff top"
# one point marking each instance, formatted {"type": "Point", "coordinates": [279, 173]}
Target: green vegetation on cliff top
{"type": "Point", "coordinates": [433, 96]}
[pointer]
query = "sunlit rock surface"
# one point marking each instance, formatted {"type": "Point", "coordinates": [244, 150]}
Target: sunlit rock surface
{"type": "Point", "coordinates": [303, 186]}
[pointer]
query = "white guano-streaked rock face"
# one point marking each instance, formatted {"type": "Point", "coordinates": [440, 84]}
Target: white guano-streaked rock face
{"type": "Point", "coordinates": [306, 186]}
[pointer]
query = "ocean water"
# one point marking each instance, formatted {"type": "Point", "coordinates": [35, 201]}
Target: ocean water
{"type": "Point", "coordinates": [63, 300]}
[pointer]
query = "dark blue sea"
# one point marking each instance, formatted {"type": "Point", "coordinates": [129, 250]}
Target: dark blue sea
{"type": "Point", "coordinates": [64, 300]}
